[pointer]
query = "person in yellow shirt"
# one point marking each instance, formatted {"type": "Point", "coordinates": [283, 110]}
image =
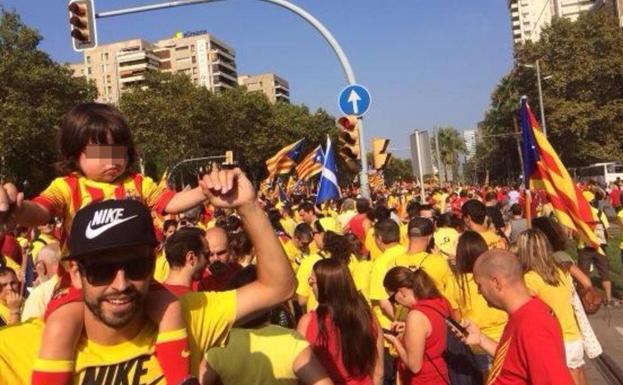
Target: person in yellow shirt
{"type": "Point", "coordinates": [363, 267]}
{"type": "Point", "coordinates": [387, 238]}
{"type": "Point", "coordinates": [120, 259]}
{"type": "Point", "coordinates": [553, 286]}
{"type": "Point", "coordinates": [446, 237]}
{"type": "Point", "coordinates": [258, 352]}
{"type": "Point", "coordinates": [10, 299]}
{"type": "Point", "coordinates": [46, 237]}
{"type": "Point", "coordinates": [418, 257]}
{"type": "Point", "coordinates": [474, 214]}
{"type": "Point", "coordinates": [466, 301]}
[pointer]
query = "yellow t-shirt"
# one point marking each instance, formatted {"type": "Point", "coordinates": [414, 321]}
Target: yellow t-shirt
{"type": "Point", "coordinates": [209, 317]}
{"type": "Point", "coordinates": [493, 240]}
{"type": "Point", "coordinates": [161, 271]}
{"type": "Point", "coordinates": [12, 264]}
{"type": "Point", "coordinates": [302, 276]}
{"type": "Point", "coordinates": [38, 245]}
{"type": "Point", "coordinates": [63, 201]}
{"type": "Point", "coordinates": [361, 276]}
{"type": "Point", "coordinates": [435, 266]}
{"type": "Point", "coordinates": [446, 238]}
{"type": "Point", "coordinates": [589, 195]}
{"type": "Point", "coordinates": [559, 299]}
{"type": "Point", "coordinates": [251, 358]}
{"type": "Point", "coordinates": [4, 314]}
{"type": "Point", "coordinates": [474, 307]}
{"type": "Point", "coordinates": [599, 217]}
{"type": "Point", "coordinates": [288, 225]}
{"type": "Point", "coordinates": [380, 267]}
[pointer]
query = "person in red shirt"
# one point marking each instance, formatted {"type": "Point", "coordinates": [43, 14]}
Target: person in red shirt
{"type": "Point", "coordinates": [357, 223]}
{"type": "Point", "coordinates": [615, 196]}
{"type": "Point", "coordinates": [187, 254]}
{"type": "Point", "coordinates": [531, 350]}
{"type": "Point", "coordinates": [424, 343]}
{"type": "Point", "coordinates": [220, 268]}
{"type": "Point", "coordinates": [343, 331]}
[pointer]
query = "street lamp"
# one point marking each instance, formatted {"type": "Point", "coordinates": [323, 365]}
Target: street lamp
{"type": "Point", "coordinates": [538, 78]}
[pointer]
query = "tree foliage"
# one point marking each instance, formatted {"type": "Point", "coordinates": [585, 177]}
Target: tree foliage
{"type": "Point", "coordinates": [35, 92]}
{"type": "Point", "coordinates": [451, 145]}
{"type": "Point", "coordinates": [582, 64]}
{"type": "Point", "coordinates": [398, 170]}
{"type": "Point", "coordinates": [172, 119]}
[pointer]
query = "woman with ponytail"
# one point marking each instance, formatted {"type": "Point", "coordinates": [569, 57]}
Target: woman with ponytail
{"type": "Point", "coordinates": [424, 342]}
{"type": "Point", "coordinates": [342, 330]}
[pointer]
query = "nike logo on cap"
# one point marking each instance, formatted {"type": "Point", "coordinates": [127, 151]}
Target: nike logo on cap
{"type": "Point", "coordinates": [107, 218]}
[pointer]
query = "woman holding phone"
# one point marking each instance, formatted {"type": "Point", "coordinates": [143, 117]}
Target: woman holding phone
{"type": "Point", "coordinates": [424, 342]}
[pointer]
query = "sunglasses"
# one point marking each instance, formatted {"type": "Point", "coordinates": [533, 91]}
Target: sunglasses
{"type": "Point", "coordinates": [99, 274]}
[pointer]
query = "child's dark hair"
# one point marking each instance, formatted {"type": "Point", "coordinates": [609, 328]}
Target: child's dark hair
{"type": "Point", "coordinates": [91, 123]}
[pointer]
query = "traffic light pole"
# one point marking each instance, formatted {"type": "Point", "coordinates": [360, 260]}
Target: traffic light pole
{"type": "Point", "coordinates": [337, 49]}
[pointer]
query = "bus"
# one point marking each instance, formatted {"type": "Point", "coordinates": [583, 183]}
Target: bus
{"type": "Point", "coordinates": [602, 173]}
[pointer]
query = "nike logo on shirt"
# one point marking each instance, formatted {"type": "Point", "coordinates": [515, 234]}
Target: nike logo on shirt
{"type": "Point", "coordinates": [91, 233]}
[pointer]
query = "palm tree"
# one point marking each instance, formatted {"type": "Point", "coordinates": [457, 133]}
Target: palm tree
{"type": "Point", "coordinates": [451, 144]}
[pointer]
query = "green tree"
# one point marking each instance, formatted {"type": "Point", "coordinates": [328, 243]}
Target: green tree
{"type": "Point", "coordinates": [451, 145]}
{"type": "Point", "coordinates": [35, 92]}
{"type": "Point", "coordinates": [582, 63]}
{"type": "Point", "coordinates": [173, 120]}
{"type": "Point", "coordinates": [398, 170]}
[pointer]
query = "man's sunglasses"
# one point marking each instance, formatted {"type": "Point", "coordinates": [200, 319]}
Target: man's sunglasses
{"type": "Point", "coordinates": [136, 269]}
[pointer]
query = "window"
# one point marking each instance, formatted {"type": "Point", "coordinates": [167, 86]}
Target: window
{"type": "Point", "coordinates": [88, 59]}
{"type": "Point", "coordinates": [88, 70]}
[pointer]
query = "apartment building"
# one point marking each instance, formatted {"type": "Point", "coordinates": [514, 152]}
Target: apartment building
{"type": "Point", "coordinates": [274, 87]}
{"type": "Point", "coordinates": [114, 67]}
{"type": "Point", "coordinates": [470, 137]}
{"type": "Point", "coordinates": [529, 17]}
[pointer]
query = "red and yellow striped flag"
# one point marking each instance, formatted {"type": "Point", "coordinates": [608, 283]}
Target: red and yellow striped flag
{"type": "Point", "coordinates": [283, 161]}
{"type": "Point", "coordinates": [545, 170]}
{"type": "Point", "coordinates": [311, 165]}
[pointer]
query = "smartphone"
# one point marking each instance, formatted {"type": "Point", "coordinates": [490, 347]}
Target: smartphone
{"type": "Point", "coordinates": [387, 331]}
{"type": "Point", "coordinates": [452, 323]}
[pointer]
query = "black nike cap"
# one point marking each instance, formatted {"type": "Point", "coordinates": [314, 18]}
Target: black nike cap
{"type": "Point", "coordinates": [110, 224]}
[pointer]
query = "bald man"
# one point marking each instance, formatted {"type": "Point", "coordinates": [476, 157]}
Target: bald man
{"type": "Point", "coordinates": [47, 263]}
{"type": "Point", "coordinates": [221, 268]}
{"type": "Point", "coordinates": [531, 350]}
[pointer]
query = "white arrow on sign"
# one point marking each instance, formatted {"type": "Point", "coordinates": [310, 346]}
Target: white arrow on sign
{"type": "Point", "coordinates": [353, 98]}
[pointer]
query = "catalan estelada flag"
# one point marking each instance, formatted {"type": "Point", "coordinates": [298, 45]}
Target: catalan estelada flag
{"type": "Point", "coordinates": [543, 169]}
{"type": "Point", "coordinates": [311, 165]}
{"type": "Point", "coordinates": [283, 161]}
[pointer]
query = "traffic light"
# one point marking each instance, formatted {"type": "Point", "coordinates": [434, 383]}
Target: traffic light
{"type": "Point", "coordinates": [82, 24]}
{"type": "Point", "coordinates": [349, 141]}
{"type": "Point", "coordinates": [380, 156]}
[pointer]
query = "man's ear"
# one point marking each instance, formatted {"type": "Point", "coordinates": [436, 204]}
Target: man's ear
{"type": "Point", "coordinates": [74, 274]}
{"type": "Point", "coordinates": [191, 258]}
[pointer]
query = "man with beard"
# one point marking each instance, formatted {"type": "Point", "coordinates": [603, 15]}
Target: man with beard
{"type": "Point", "coordinates": [221, 268]}
{"type": "Point", "coordinates": [111, 252]}
{"type": "Point", "coordinates": [186, 252]}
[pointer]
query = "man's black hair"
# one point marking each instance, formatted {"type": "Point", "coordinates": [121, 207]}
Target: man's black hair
{"type": "Point", "coordinates": [181, 242]}
{"type": "Point", "coordinates": [387, 230]}
{"type": "Point", "coordinates": [475, 210]}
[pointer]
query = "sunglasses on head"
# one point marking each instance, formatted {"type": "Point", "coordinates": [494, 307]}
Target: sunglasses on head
{"type": "Point", "coordinates": [103, 273]}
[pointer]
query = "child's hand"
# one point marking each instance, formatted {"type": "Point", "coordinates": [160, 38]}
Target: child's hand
{"type": "Point", "coordinates": [10, 199]}
{"type": "Point", "coordinates": [227, 188]}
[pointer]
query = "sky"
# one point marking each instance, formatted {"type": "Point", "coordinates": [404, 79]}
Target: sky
{"type": "Point", "coordinates": [425, 63]}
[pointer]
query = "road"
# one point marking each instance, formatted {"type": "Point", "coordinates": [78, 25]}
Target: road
{"type": "Point", "coordinates": [608, 326]}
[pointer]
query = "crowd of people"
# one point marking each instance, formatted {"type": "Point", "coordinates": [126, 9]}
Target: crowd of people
{"type": "Point", "coordinates": [134, 283]}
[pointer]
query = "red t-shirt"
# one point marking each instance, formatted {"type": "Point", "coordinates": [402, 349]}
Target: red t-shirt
{"type": "Point", "coordinates": [177, 290]}
{"type": "Point", "coordinates": [531, 350]}
{"type": "Point", "coordinates": [615, 197]}
{"type": "Point", "coordinates": [11, 248]}
{"type": "Point", "coordinates": [329, 352]}
{"type": "Point", "coordinates": [434, 368]}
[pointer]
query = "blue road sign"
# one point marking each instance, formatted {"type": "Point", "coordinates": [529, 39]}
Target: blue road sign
{"type": "Point", "coordinates": [354, 100]}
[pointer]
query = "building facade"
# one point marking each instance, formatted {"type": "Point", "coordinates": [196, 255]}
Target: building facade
{"type": "Point", "coordinates": [529, 17]}
{"type": "Point", "coordinates": [114, 67]}
{"type": "Point", "coordinates": [274, 87]}
{"type": "Point", "coordinates": [470, 142]}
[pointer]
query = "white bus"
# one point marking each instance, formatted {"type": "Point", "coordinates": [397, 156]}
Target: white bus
{"type": "Point", "coordinates": [602, 173]}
